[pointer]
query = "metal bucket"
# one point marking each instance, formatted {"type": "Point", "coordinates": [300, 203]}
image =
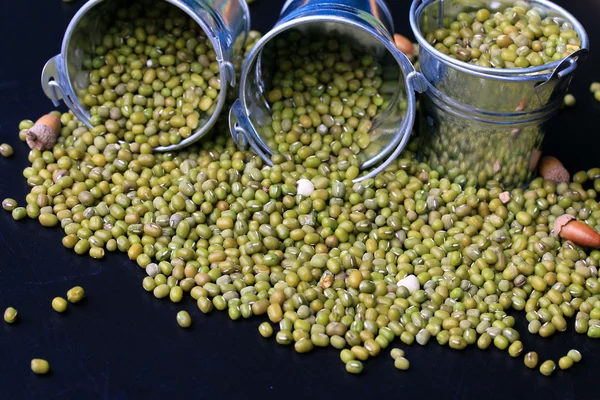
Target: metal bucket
{"type": "Point", "coordinates": [482, 125]}
{"type": "Point", "coordinates": [365, 23]}
{"type": "Point", "coordinates": [225, 22]}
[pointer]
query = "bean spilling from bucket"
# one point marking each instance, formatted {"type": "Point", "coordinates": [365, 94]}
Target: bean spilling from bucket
{"type": "Point", "coordinates": [154, 79]}
{"type": "Point", "coordinates": [324, 99]}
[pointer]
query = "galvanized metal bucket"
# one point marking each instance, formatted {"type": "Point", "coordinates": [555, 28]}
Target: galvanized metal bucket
{"type": "Point", "coordinates": [366, 23]}
{"type": "Point", "coordinates": [482, 125]}
{"type": "Point", "coordinates": [225, 22]}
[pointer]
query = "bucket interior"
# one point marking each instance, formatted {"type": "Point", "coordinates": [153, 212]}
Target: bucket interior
{"type": "Point", "coordinates": [515, 90]}
{"type": "Point", "coordinates": [440, 13]}
{"type": "Point", "coordinates": [111, 25]}
{"type": "Point", "coordinates": [328, 70]}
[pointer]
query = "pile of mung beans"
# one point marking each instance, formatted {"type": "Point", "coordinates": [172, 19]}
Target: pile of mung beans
{"type": "Point", "coordinates": [214, 223]}
{"type": "Point", "coordinates": [520, 36]}
{"type": "Point", "coordinates": [154, 79]}
{"type": "Point", "coordinates": [325, 96]}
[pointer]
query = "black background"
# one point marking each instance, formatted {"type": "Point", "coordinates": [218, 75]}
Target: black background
{"type": "Point", "coordinates": [122, 343]}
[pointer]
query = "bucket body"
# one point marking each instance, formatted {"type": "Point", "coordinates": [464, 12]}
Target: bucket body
{"type": "Point", "coordinates": [482, 124]}
{"type": "Point", "coordinates": [367, 25]}
{"type": "Point", "coordinates": [225, 22]}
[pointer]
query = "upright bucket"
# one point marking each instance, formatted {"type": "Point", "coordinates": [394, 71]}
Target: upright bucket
{"type": "Point", "coordinates": [481, 125]}
{"type": "Point", "coordinates": [367, 27]}
{"type": "Point", "coordinates": [226, 24]}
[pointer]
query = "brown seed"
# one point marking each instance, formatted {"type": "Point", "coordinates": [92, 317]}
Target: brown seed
{"type": "Point", "coordinates": [534, 160]}
{"type": "Point", "coordinates": [553, 170]}
{"type": "Point", "coordinates": [44, 134]}
{"type": "Point", "coordinates": [403, 44]}
{"type": "Point", "coordinates": [568, 228]}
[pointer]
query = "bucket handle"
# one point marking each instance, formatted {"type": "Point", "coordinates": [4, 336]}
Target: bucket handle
{"type": "Point", "coordinates": [564, 68]}
{"type": "Point", "coordinates": [53, 89]}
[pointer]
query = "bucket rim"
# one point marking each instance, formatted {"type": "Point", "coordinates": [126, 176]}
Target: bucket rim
{"type": "Point", "coordinates": [405, 129]}
{"type": "Point", "coordinates": [224, 64]}
{"type": "Point", "coordinates": [520, 74]}
{"type": "Point", "coordinates": [380, 3]}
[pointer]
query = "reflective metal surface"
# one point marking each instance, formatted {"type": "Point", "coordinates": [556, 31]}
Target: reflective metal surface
{"type": "Point", "coordinates": [226, 23]}
{"type": "Point", "coordinates": [471, 85]}
{"type": "Point", "coordinates": [365, 23]}
{"type": "Point", "coordinates": [462, 96]}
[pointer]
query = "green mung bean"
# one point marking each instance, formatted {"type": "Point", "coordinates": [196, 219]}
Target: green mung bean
{"type": "Point", "coordinates": [10, 315]}
{"type": "Point", "coordinates": [565, 362]}
{"type": "Point", "coordinates": [75, 294]}
{"type": "Point", "coordinates": [547, 368]}
{"type": "Point", "coordinates": [401, 363]}
{"type": "Point", "coordinates": [40, 366]}
{"type": "Point", "coordinates": [183, 319]}
{"type": "Point", "coordinates": [531, 360]}
{"type": "Point", "coordinates": [9, 204]}
{"type": "Point", "coordinates": [574, 355]}
{"type": "Point", "coordinates": [59, 304]}
{"type": "Point", "coordinates": [354, 367]}
{"type": "Point", "coordinates": [6, 150]}
{"type": "Point", "coordinates": [265, 329]}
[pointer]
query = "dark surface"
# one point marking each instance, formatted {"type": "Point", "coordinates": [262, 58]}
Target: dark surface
{"type": "Point", "coordinates": [122, 343]}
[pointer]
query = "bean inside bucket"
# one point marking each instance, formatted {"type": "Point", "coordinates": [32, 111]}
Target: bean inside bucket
{"type": "Point", "coordinates": [320, 87]}
{"type": "Point", "coordinates": [152, 72]}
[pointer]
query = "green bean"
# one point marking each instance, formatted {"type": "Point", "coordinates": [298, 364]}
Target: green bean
{"type": "Point", "coordinates": [183, 319]}
{"type": "Point", "coordinates": [59, 304]}
{"type": "Point", "coordinates": [531, 360]}
{"type": "Point", "coordinates": [574, 355]}
{"type": "Point", "coordinates": [354, 367]}
{"type": "Point", "coordinates": [547, 368]}
{"type": "Point", "coordinates": [75, 294]}
{"type": "Point", "coordinates": [10, 315]}
{"type": "Point", "coordinates": [40, 366]}
{"type": "Point", "coordinates": [396, 353]}
{"type": "Point", "coordinates": [565, 362]}
{"type": "Point", "coordinates": [9, 204]}
{"type": "Point", "coordinates": [265, 329]}
{"type": "Point", "coordinates": [304, 345]}
{"type": "Point", "coordinates": [569, 100]}
{"type": "Point", "coordinates": [401, 363]}
{"type": "Point", "coordinates": [6, 150]}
